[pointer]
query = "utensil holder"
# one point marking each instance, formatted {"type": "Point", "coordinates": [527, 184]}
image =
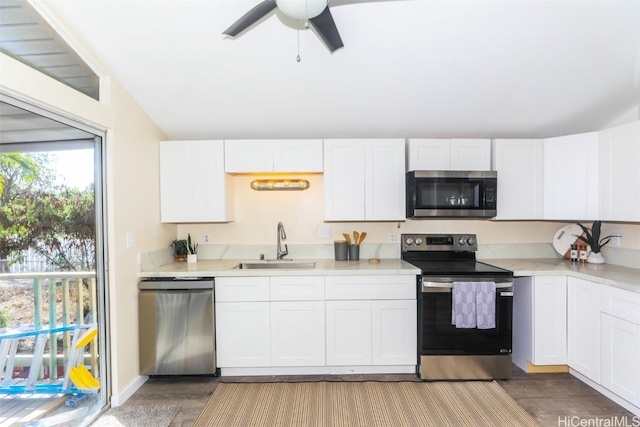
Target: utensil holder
{"type": "Point", "coordinates": [341, 250]}
{"type": "Point", "coordinates": [354, 252]}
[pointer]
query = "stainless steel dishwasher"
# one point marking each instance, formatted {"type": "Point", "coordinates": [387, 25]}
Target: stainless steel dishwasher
{"type": "Point", "coordinates": [176, 326]}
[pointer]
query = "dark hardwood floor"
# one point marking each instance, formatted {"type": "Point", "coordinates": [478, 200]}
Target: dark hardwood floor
{"type": "Point", "coordinates": [552, 399]}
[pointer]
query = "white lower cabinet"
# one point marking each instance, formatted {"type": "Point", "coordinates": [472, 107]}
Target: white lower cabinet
{"type": "Point", "coordinates": [620, 343]}
{"type": "Point", "coordinates": [394, 332]}
{"type": "Point", "coordinates": [243, 334]}
{"type": "Point", "coordinates": [583, 327]}
{"type": "Point", "coordinates": [540, 321]}
{"type": "Point", "coordinates": [620, 356]}
{"type": "Point", "coordinates": [371, 320]}
{"type": "Point", "coordinates": [300, 322]}
{"type": "Point", "coordinates": [297, 333]}
{"type": "Point", "coordinates": [348, 333]}
{"type": "Point", "coordinates": [550, 325]}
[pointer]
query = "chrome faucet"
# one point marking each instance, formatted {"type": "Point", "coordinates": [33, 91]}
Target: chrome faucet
{"type": "Point", "coordinates": [281, 236]}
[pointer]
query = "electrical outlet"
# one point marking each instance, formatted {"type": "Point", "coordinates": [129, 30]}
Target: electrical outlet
{"type": "Point", "coordinates": [130, 242]}
{"type": "Point", "coordinates": [206, 238]}
{"type": "Point", "coordinates": [615, 240]}
{"type": "Point", "coordinates": [324, 232]}
{"type": "Point", "coordinates": [392, 237]}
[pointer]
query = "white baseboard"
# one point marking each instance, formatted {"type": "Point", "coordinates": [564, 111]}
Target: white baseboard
{"type": "Point", "coordinates": [597, 387]}
{"type": "Point", "coordinates": [318, 370]}
{"type": "Point", "coordinates": [119, 399]}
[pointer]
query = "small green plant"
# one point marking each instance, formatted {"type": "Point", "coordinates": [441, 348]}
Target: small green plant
{"type": "Point", "coordinates": [180, 247]}
{"type": "Point", "coordinates": [192, 248]}
{"type": "Point", "coordinates": [592, 237]}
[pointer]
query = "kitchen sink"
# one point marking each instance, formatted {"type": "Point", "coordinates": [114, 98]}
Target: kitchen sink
{"type": "Point", "coordinates": [281, 264]}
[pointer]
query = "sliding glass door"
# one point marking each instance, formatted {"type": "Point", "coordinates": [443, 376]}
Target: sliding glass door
{"type": "Point", "coordinates": [53, 293]}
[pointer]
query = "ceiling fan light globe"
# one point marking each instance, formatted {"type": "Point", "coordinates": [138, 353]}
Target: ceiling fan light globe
{"type": "Point", "coordinates": [301, 9]}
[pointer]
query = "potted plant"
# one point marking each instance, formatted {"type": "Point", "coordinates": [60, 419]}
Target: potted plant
{"type": "Point", "coordinates": [180, 249]}
{"type": "Point", "coordinates": [592, 238]}
{"type": "Point", "coordinates": [192, 249]}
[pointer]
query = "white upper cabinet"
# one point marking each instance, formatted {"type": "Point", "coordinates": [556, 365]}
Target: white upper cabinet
{"type": "Point", "coordinates": [571, 177]}
{"type": "Point", "coordinates": [620, 173]}
{"type": "Point", "coordinates": [520, 167]}
{"type": "Point", "coordinates": [449, 154]}
{"type": "Point", "coordinates": [429, 154]}
{"type": "Point", "coordinates": [193, 185]}
{"type": "Point", "coordinates": [470, 154]}
{"type": "Point", "coordinates": [282, 155]}
{"type": "Point", "coordinates": [364, 180]}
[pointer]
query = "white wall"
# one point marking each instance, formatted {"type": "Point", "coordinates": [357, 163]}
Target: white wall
{"type": "Point", "coordinates": [258, 212]}
{"type": "Point", "coordinates": [132, 189]}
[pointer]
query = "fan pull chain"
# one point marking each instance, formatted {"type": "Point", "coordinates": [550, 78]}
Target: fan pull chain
{"type": "Point", "coordinates": [298, 57]}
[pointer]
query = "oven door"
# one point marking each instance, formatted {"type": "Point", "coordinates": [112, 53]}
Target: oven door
{"type": "Point", "coordinates": [438, 336]}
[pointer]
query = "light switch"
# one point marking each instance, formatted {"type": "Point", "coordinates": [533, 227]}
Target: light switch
{"type": "Point", "coordinates": [129, 240]}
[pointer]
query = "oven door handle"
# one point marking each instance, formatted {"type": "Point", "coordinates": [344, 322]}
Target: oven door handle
{"type": "Point", "coordinates": [430, 286]}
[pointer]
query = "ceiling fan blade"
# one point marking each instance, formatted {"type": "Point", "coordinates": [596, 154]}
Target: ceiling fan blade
{"type": "Point", "coordinates": [327, 30]}
{"type": "Point", "coordinates": [250, 18]}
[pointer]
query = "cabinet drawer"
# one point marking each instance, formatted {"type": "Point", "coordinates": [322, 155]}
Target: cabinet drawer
{"type": "Point", "coordinates": [620, 303]}
{"type": "Point", "coordinates": [370, 287]}
{"type": "Point", "coordinates": [297, 288]}
{"type": "Point", "coordinates": [231, 289]}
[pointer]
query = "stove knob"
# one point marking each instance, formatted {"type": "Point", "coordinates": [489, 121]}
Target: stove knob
{"type": "Point", "coordinates": [418, 241]}
{"type": "Point", "coordinates": [471, 241]}
{"type": "Point", "coordinates": [462, 241]}
{"type": "Point", "coordinates": [409, 241]}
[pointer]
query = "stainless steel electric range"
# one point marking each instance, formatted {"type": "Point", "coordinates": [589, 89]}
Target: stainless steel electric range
{"type": "Point", "coordinates": [447, 351]}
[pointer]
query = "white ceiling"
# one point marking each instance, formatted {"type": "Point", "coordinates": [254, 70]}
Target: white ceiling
{"type": "Point", "coordinates": [409, 68]}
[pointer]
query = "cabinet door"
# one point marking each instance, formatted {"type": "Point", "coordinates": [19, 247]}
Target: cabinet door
{"type": "Point", "coordinates": [620, 355]}
{"type": "Point", "coordinates": [549, 320]}
{"type": "Point", "coordinates": [620, 174]}
{"type": "Point", "coordinates": [298, 156]}
{"type": "Point", "coordinates": [243, 334]}
{"type": "Point", "coordinates": [344, 180]}
{"type": "Point", "coordinates": [348, 333]}
{"type": "Point", "coordinates": [471, 154]}
{"type": "Point", "coordinates": [520, 167]}
{"type": "Point", "coordinates": [249, 155]}
{"type": "Point", "coordinates": [384, 180]}
{"type": "Point", "coordinates": [571, 177]}
{"type": "Point", "coordinates": [429, 154]}
{"type": "Point", "coordinates": [583, 327]}
{"type": "Point", "coordinates": [193, 185]}
{"type": "Point", "coordinates": [297, 333]}
{"type": "Point", "coordinates": [394, 332]}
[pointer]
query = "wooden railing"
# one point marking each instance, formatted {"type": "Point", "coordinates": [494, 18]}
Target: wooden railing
{"type": "Point", "coordinates": [72, 301]}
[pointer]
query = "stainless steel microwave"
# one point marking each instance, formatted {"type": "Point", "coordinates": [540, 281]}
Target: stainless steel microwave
{"type": "Point", "coordinates": [451, 194]}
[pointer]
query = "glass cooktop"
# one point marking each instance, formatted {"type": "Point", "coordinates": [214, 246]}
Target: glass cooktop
{"type": "Point", "coordinates": [459, 268]}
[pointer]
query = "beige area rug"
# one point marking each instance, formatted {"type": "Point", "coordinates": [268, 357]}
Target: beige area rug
{"type": "Point", "coordinates": [363, 404]}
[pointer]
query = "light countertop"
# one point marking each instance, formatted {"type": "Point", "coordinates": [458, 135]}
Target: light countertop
{"type": "Point", "coordinates": [606, 274]}
{"type": "Point", "coordinates": [324, 267]}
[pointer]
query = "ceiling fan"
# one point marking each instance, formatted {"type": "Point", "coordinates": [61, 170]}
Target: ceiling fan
{"type": "Point", "coordinates": [316, 12]}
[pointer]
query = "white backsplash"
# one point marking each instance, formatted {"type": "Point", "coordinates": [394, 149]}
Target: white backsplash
{"type": "Point", "coordinates": [152, 260]}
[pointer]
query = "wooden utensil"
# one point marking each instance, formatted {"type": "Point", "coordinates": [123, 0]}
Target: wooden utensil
{"type": "Point", "coordinates": [362, 236]}
{"type": "Point", "coordinates": [356, 237]}
{"type": "Point", "coordinates": [347, 238]}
